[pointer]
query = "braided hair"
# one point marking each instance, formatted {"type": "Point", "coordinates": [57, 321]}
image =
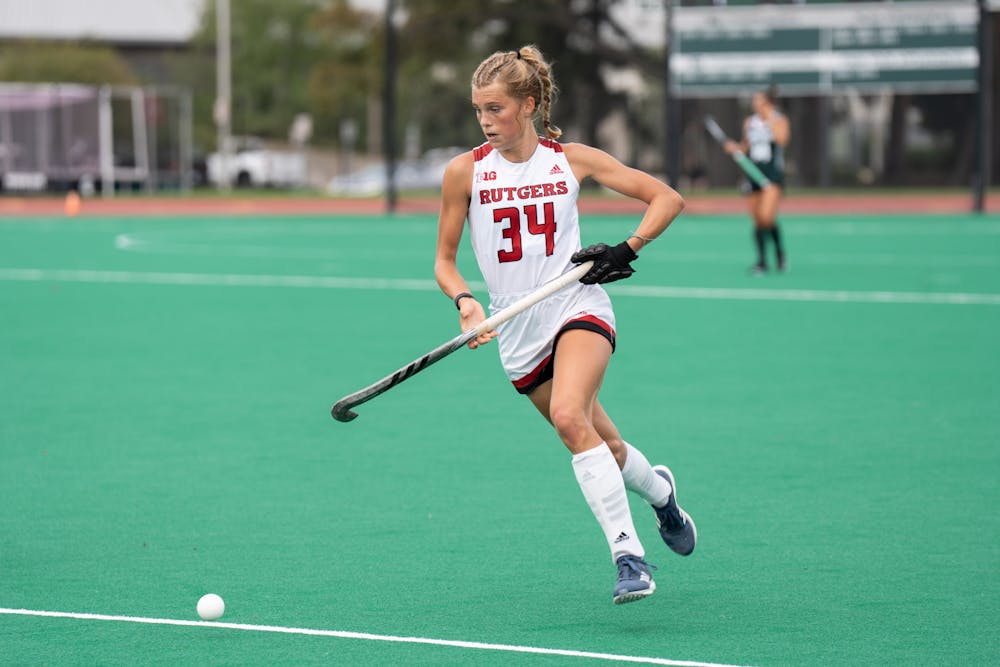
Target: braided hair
{"type": "Point", "coordinates": [525, 74]}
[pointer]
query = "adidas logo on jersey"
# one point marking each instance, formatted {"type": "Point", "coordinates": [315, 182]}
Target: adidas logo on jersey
{"type": "Point", "coordinates": [555, 170]}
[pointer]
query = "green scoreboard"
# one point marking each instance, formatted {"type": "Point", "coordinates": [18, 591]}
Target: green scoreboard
{"type": "Point", "coordinates": [818, 49]}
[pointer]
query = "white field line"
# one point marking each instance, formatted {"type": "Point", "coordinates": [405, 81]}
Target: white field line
{"type": "Point", "coordinates": [203, 246]}
{"type": "Point", "coordinates": [927, 262]}
{"type": "Point", "coordinates": [729, 224]}
{"type": "Point", "coordinates": [213, 279]}
{"type": "Point", "coordinates": [341, 634]}
{"type": "Point", "coordinates": [835, 296]}
{"type": "Point", "coordinates": [692, 226]}
{"type": "Point", "coordinates": [416, 284]}
{"type": "Point", "coordinates": [688, 226]}
{"type": "Point", "coordinates": [132, 244]}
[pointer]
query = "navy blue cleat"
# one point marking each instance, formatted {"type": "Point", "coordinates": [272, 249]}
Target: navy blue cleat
{"type": "Point", "coordinates": [634, 580]}
{"type": "Point", "coordinates": [676, 527]}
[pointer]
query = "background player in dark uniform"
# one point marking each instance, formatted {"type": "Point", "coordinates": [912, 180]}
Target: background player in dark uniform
{"type": "Point", "coordinates": [765, 134]}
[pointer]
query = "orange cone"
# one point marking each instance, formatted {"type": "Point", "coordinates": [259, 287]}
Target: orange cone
{"type": "Point", "coordinates": [72, 204]}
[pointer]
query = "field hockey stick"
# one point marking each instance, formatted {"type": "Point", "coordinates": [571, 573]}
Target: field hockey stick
{"type": "Point", "coordinates": [748, 167]}
{"type": "Point", "coordinates": [341, 410]}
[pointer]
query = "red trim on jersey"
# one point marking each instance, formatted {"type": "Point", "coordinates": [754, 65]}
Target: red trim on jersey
{"type": "Point", "coordinates": [532, 376]}
{"type": "Point", "coordinates": [550, 143]}
{"type": "Point", "coordinates": [481, 151]}
{"type": "Point", "coordinates": [595, 321]}
{"type": "Point", "coordinates": [528, 379]}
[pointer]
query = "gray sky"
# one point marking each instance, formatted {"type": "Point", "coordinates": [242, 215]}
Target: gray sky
{"type": "Point", "coordinates": [170, 21]}
{"type": "Point", "coordinates": [113, 20]}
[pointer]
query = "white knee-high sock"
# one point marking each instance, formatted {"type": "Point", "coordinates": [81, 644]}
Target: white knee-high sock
{"type": "Point", "coordinates": [602, 485]}
{"type": "Point", "coordinates": [640, 478]}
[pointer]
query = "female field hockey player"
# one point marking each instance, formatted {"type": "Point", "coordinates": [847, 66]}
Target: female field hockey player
{"type": "Point", "coordinates": [518, 192]}
{"type": "Point", "coordinates": [765, 134]}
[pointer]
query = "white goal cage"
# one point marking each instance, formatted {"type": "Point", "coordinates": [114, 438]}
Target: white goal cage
{"type": "Point", "coordinates": [57, 136]}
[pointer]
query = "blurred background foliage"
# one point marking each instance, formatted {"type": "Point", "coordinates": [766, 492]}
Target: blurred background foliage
{"type": "Point", "coordinates": [69, 62]}
{"type": "Point", "coordinates": [327, 58]}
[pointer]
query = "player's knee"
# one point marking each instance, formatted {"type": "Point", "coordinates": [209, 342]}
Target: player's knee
{"type": "Point", "coordinates": [570, 422]}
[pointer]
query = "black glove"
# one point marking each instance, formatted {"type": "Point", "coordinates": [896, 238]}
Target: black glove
{"type": "Point", "coordinates": [610, 263]}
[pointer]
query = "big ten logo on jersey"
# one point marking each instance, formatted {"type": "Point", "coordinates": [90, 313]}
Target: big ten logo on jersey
{"type": "Point", "coordinates": [482, 176]}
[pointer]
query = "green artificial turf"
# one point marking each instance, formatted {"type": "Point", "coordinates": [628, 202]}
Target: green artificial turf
{"type": "Point", "coordinates": [161, 440]}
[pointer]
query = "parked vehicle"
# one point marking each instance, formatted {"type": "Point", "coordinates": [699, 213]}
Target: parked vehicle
{"type": "Point", "coordinates": [424, 173]}
{"type": "Point", "coordinates": [251, 164]}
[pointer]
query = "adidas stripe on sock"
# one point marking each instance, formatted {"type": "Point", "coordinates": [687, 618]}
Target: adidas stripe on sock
{"type": "Point", "coordinates": [601, 481]}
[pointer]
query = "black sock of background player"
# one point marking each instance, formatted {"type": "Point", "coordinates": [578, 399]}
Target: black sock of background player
{"type": "Point", "coordinates": [779, 249]}
{"type": "Point", "coordinates": [760, 238]}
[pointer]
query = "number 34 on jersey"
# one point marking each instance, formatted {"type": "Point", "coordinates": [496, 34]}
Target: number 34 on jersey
{"type": "Point", "coordinates": [511, 218]}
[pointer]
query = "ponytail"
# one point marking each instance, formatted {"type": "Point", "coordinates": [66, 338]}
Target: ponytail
{"type": "Point", "coordinates": [525, 74]}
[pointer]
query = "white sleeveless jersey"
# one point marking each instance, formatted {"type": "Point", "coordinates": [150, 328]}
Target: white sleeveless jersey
{"type": "Point", "coordinates": [763, 148]}
{"type": "Point", "coordinates": [524, 228]}
{"type": "Point", "coordinates": [523, 220]}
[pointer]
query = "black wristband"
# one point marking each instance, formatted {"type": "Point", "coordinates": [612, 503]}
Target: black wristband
{"type": "Point", "coordinates": [460, 296]}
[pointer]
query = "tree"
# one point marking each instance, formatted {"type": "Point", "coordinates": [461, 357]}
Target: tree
{"type": "Point", "coordinates": [348, 76]}
{"type": "Point", "coordinates": [327, 59]}
{"type": "Point", "coordinates": [446, 39]}
{"type": "Point", "coordinates": [65, 63]}
{"type": "Point", "coordinates": [288, 57]}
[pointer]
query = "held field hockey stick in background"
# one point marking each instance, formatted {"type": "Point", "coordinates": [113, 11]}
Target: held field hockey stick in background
{"type": "Point", "coordinates": [342, 409]}
{"type": "Point", "coordinates": [748, 167]}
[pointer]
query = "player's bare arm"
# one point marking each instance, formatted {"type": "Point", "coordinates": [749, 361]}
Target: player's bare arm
{"type": "Point", "coordinates": [744, 144]}
{"type": "Point", "coordinates": [664, 202]}
{"type": "Point", "coordinates": [455, 192]}
{"type": "Point", "coordinates": [781, 129]}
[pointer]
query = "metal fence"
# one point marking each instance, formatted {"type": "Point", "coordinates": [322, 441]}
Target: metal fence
{"type": "Point", "coordinates": [98, 138]}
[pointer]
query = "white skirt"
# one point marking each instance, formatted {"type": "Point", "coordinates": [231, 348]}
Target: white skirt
{"type": "Point", "coordinates": [526, 342]}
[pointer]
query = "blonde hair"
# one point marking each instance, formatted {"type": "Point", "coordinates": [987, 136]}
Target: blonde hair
{"type": "Point", "coordinates": [525, 74]}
